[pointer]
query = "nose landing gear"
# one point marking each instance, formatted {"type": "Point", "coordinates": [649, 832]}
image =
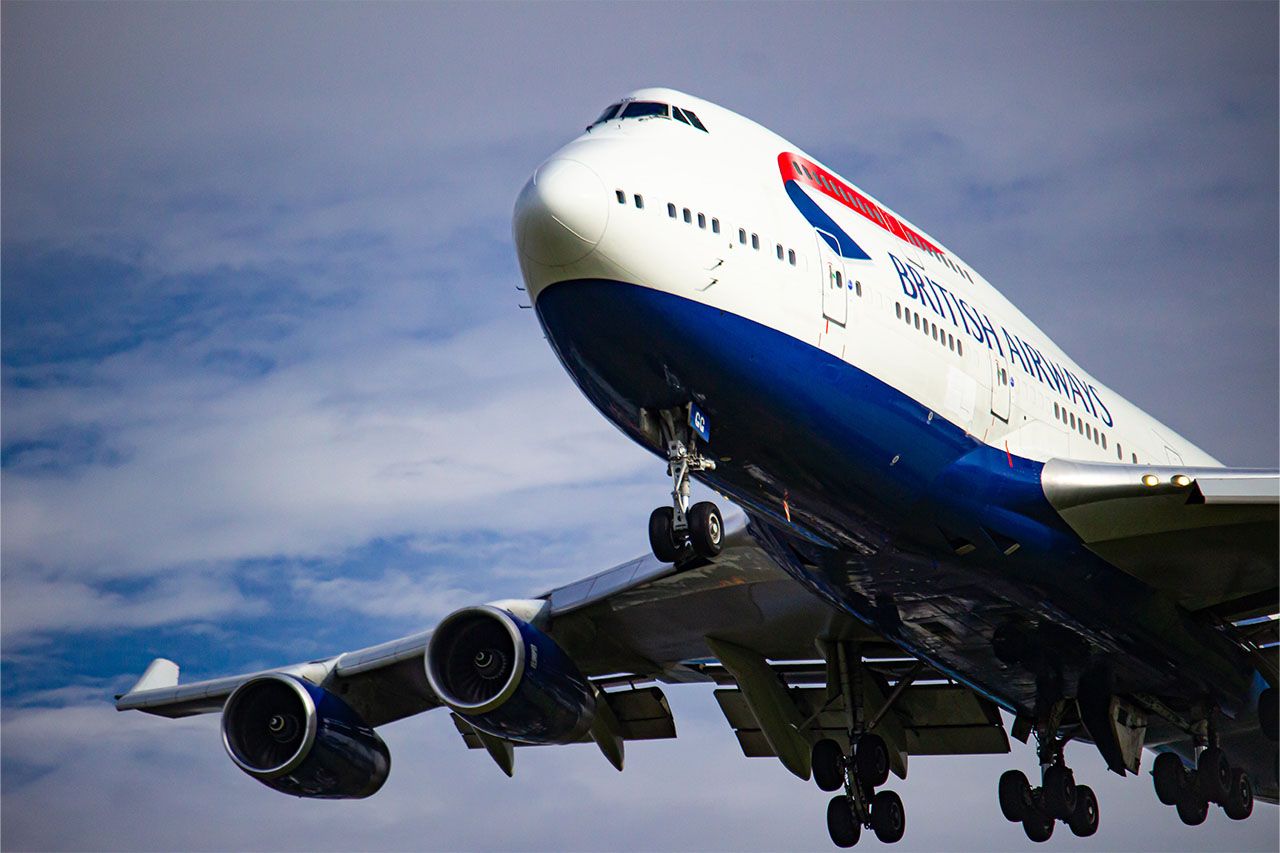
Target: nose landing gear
{"type": "Point", "coordinates": [678, 528]}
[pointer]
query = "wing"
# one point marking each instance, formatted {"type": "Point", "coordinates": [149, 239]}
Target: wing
{"type": "Point", "coordinates": [737, 621]}
{"type": "Point", "coordinates": [1206, 536]}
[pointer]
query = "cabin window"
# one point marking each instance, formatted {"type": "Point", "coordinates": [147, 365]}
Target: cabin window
{"type": "Point", "coordinates": [715, 226]}
{"type": "Point", "coordinates": [935, 331]}
{"type": "Point", "coordinates": [916, 319]}
{"type": "Point", "coordinates": [779, 250]}
{"type": "Point", "coordinates": [1055, 410]}
{"type": "Point", "coordinates": [959, 347]}
{"type": "Point", "coordinates": [1119, 452]}
{"type": "Point", "coordinates": [897, 309]}
{"type": "Point", "coordinates": [742, 236]}
{"type": "Point", "coordinates": [702, 220]}
{"type": "Point", "coordinates": [1071, 420]}
{"type": "Point", "coordinates": [622, 197]}
{"type": "Point", "coordinates": [791, 257]}
{"type": "Point", "coordinates": [755, 241]}
{"type": "Point", "coordinates": [839, 279]}
{"type": "Point", "coordinates": [639, 199]}
{"type": "Point", "coordinates": [1135, 458]}
{"type": "Point", "coordinates": [688, 216]}
{"type": "Point", "coordinates": [671, 211]}
{"type": "Point", "coordinates": [857, 287]}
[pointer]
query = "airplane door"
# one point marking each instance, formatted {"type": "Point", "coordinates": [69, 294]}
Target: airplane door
{"type": "Point", "coordinates": [1000, 382]}
{"type": "Point", "coordinates": [835, 287]}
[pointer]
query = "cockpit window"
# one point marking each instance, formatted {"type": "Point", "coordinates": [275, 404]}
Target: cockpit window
{"type": "Point", "coordinates": [694, 120]}
{"type": "Point", "coordinates": [678, 115]}
{"type": "Point", "coordinates": [609, 112]}
{"type": "Point", "coordinates": [640, 109]}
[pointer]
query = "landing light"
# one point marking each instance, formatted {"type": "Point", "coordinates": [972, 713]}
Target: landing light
{"type": "Point", "coordinates": [1150, 480]}
{"type": "Point", "coordinates": [1181, 480]}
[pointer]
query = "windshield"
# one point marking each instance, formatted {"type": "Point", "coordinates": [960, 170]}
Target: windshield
{"type": "Point", "coordinates": [608, 113]}
{"type": "Point", "coordinates": [639, 109]}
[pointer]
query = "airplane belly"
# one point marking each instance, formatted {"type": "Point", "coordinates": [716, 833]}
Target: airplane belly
{"type": "Point", "coordinates": [877, 504]}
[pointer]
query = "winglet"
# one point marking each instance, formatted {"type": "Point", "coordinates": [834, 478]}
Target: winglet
{"type": "Point", "coordinates": [160, 673]}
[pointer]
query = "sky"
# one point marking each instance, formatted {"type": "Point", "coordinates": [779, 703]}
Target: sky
{"type": "Point", "coordinates": [268, 393]}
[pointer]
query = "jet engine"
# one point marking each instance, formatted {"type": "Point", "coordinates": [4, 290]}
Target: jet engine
{"type": "Point", "coordinates": [301, 739]}
{"type": "Point", "coordinates": [507, 678]}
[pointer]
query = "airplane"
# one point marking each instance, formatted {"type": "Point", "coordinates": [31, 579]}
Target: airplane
{"type": "Point", "coordinates": [939, 516]}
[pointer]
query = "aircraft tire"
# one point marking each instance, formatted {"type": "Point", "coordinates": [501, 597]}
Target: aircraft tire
{"type": "Point", "coordinates": [1059, 792]}
{"type": "Point", "coordinates": [1015, 796]}
{"type": "Point", "coordinates": [1240, 804]}
{"type": "Point", "coordinates": [888, 817]}
{"type": "Point", "coordinates": [1038, 827]}
{"type": "Point", "coordinates": [662, 537]}
{"type": "Point", "coordinates": [1214, 774]}
{"type": "Point", "coordinates": [1192, 807]}
{"type": "Point", "coordinates": [841, 825]}
{"type": "Point", "coordinates": [1084, 820]}
{"type": "Point", "coordinates": [871, 761]}
{"type": "Point", "coordinates": [1269, 713]}
{"type": "Point", "coordinates": [828, 765]}
{"type": "Point", "coordinates": [1169, 777]}
{"type": "Point", "coordinates": [706, 529]}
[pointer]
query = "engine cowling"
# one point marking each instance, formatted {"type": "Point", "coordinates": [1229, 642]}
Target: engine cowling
{"type": "Point", "coordinates": [507, 678]}
{"type": "Point", "coordinates": [301, 739]}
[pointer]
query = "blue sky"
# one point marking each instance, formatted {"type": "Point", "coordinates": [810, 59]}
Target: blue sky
{"type": "Point", "coordinates": [268, 394]}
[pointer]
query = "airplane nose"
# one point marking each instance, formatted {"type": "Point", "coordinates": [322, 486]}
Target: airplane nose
{"type": "Point", "coordinates": [561, 213]}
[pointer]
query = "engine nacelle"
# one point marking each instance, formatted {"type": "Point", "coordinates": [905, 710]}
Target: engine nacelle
{"type": "Point", "coordinates": [301, 739]}
{"type": "Point", "coordinates": [507, 678]}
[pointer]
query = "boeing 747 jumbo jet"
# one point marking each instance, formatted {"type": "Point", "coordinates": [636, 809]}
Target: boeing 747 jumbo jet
{"type": "Point", "coordinates": [942, 516]}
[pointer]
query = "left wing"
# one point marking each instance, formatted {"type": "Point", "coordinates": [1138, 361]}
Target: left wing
{"type": "Point", "coordinates": [578, 663]}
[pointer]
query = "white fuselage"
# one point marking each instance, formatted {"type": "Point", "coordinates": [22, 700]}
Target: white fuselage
{"type": "Point", "coordinates": [913, 315]}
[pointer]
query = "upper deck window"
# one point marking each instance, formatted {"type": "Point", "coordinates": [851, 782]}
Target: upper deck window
{"type": "Point", "coordinates": [641, 109]}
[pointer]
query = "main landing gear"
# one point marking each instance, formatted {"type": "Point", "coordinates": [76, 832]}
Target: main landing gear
{"type": "Point", "coordinates": [676, 529]}
{"type": "Point", "coordinates": [865, 767]}
{"type": "Point", "coordinates": [1213, 780]}
{"type": "Point", "coordinates": [859, 774]}
{"type": "Point", "coordinates": [1058, 797]}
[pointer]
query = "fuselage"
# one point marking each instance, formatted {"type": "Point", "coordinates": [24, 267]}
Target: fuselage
{"type": "Point", "coordinates": [877, 406]}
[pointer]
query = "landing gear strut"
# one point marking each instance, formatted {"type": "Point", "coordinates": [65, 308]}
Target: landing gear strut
{"type": "Point", "coordinates": [677, 528]}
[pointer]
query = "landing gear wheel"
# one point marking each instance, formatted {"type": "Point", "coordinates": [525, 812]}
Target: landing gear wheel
{"type": "Point", "coordinates": [844, 830]}
{"type": "Point", "coordinates": [1170, 778]}
{"type": "Point", "coordinates": [1059, 792]}
{"type": "Point", "coordinates": [828, 765]}
{"type": "Point", "coordinates": [1084, 820]}
{"type": "Point", "coordinates": [1037, 826]}
{"type": "Point", "coordinates": [1240, 804]}
{"type": "Point", "coordinates": [706, 529]}
{"type": "Point", "coordinates": [871, 761]}
{"type": "Point", "coordinates": [1269, 713]}
{"type": "Point", "coordinates": [1214, 774]}
{"type": "Point", "coordinates": [888, 817]}
{"type": "Point", "coordinates": [662, 535]}
{"type": "Point", "coordinates": [1015, 796]}
{"type": "Point", "coordinates": [1193, 808]}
